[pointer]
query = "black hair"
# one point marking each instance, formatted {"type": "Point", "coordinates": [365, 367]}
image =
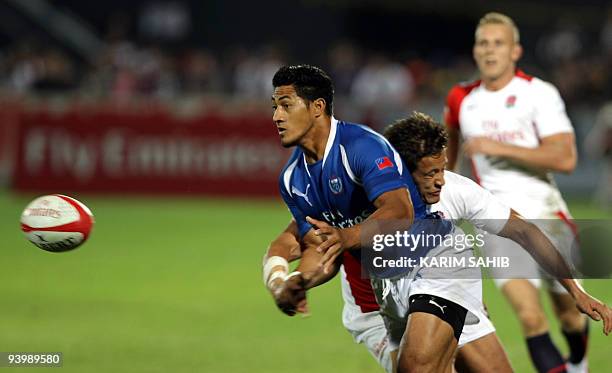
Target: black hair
{"type": "Point", "coordinates": [416, 137]}
{"type": "Point", "coordinates": [310, 83]}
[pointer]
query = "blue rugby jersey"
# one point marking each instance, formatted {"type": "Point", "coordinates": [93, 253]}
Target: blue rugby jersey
{"type": "Point", "coordinates": [358, 166]}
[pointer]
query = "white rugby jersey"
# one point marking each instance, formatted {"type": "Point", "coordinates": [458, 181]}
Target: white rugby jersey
{"type": "Point", "coordinates": [463, 199]}
{"type": "Point", "coordinates": [460, 199]}
{"type": "Point", "coordinates": [524, 111]}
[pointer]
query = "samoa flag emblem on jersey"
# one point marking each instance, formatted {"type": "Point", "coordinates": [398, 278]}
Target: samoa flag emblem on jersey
{"type": "Point", "coordinates": [383, 162]}
{"type": "Point", "coordinates": [335, 184]}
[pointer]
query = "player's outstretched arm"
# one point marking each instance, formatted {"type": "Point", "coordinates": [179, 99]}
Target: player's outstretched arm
{"type": "Point", "coordinates": [531, 238]}
{"type": "Point", "coordinates": [282, 250]}
{"type": "Point", "coordinates": [286, 244]}
{"type": "Point", "coordinates": [393, 205]}
{"type": "Point", "coordinates": [289, 290]}
{"type": "Point", "coordinates": [291, 297]}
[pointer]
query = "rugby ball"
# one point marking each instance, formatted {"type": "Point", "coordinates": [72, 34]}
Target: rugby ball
{"type": "Point", "coordinates": [56, 223]}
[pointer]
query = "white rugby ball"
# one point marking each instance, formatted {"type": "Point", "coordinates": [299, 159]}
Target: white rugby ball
{"type": "Point", "coordinates": [56, 222]}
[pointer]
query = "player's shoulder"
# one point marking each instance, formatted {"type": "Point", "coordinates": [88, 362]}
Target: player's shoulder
{"type": "Point", "coordinates": [524, 77]}
{"type": "Point", "coordinates": [462, 89]}
{"type": "Point", "coordinates": [535, 83]}
{"type": "Point", "coordinates": [544, 88]}
{"type": "Point", "coordinates": [350, 129]}
{"type": "Point", "coordinates": [355, 135]}
{"type": "Point", "coordinates": [461, 191]}
{"type": "Point", "coordinates": [459, 187]}
{"type": "Point", "coordinates": [455, 97]}
{"type": "Point", "coordinates": [453, 179]}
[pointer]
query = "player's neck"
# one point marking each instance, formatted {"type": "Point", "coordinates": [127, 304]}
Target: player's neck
{"type": "Point", "coordinates": [499, 82]}
{"type": "Point", "coordinates": [314, 142]}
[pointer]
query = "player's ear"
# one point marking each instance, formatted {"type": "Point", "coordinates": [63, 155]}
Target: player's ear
{"type": "Point", "coordinates": [319, 106]}
{"type": "Point", "coordinates": [517, 52]}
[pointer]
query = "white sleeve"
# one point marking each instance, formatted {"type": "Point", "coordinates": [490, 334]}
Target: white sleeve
{"type": "Point", "coordinates": [479, 206]}
{"type": "Point", "coordinates": [550, 117]}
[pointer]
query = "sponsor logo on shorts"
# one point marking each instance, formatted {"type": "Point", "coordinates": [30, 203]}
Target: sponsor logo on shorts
{"type": "Point", "coordinates": [431, 301]}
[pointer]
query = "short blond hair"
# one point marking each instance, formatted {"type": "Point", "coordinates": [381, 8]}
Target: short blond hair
{"type": "Point", "coordinates": [494, 18]}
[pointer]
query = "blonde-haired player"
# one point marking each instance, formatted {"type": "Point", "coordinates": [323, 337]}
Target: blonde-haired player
{"type": "Point", "coordinates": [516, 132]}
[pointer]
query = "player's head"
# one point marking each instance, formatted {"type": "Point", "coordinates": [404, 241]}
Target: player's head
{"type": "Point", "coordinates": [421, 142]}
{"type": "Point", "coordinates": [496, 46]}
{"type": "Point", "coordinates": [302, 94]}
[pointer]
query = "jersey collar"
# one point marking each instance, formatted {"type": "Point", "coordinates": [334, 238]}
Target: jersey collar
{"type": "Point", "coordinates": [330, 139]}
{"type": "Point", "coordinates": [328, 145]}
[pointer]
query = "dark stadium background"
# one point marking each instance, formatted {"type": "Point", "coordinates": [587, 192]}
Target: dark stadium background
{"type": "Point", "coordinates": [170, 278]}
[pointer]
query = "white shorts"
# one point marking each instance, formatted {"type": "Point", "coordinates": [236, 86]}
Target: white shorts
{"type": "Point", "coordinates": [460, 284]}
{"type": "Point", "coordinates": [395, 309]}
{"type": "Point", "coordinates": [369, 329]}
{"type": "Point", "coordinates": [473, 332]}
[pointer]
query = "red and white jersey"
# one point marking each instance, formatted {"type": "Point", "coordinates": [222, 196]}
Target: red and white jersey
{"type": "Point", "coordinates": [524, 111]}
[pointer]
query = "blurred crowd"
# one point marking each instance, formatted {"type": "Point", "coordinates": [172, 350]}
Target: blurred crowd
{"type": "Point", "coordinates": [378, 86]}
{"type": "Point", "coordinates": [124, 69]}
{"type": "Point", "coordinates": [155, 65]}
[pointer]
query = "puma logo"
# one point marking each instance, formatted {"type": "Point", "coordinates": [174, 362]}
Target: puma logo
{"type": "Point", "coordinates": [304, 195]}
{"type": "Point", "coordinates": [431, 301]}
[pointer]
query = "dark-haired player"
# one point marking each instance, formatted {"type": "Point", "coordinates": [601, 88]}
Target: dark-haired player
{"type": "Point", "coordinates": [422, 142]}
{"type": "Point", "coordinates": [349, 176]}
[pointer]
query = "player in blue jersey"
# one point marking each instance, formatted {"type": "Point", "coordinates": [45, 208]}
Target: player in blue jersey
{"type": "Point", "coordinates": [481, 349]}
{"type": "Point", "coordinates": [462, 199]}
{"type": "Point", "coordinates": [349, 176]}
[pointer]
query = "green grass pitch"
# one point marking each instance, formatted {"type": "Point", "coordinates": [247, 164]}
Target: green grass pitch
{"type": "Point", "coordinates": [169, 284]}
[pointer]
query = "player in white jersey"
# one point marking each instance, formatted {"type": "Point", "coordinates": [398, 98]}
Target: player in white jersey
{"type": "Point", "coordinates": [480, 345]}
{"type": "Point", "coordinates": [461, 199]}
{"type": "Point", "coordinates": [516, 131]}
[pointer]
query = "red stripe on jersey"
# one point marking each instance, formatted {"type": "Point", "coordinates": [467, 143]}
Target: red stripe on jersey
{"type": "Point", "coordinates": [453, 102]}
{"type": "Point", "coordinates": [361, 289]}
{"type": "Point", "coordinates": [566, 219]}
{"type": "Point", "coordinates": [521, 74]}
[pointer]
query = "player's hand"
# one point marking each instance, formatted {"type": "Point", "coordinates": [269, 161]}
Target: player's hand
{"type": "Point", "coordinates": [596, 310]}
{"type": "Point", "coordinates": [332, 246]}
{"type": "Point", "coordinates": [481, 145]}
{"type": "Point", "coordinates": [290, 296]}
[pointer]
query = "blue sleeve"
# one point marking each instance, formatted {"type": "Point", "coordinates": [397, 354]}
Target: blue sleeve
{"type": "Point", "coordinates": [298, 215]}
{"type": "Point", "coordinates": [374, 164]}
